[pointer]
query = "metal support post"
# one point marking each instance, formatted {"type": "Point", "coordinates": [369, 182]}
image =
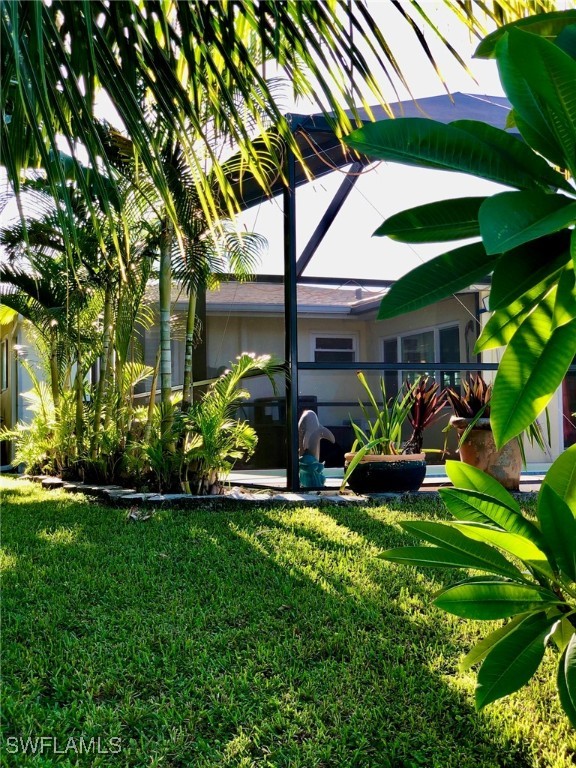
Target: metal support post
{"type": "Point", "coordinates": [291, 324]}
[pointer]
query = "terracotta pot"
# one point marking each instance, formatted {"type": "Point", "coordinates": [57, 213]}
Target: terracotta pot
{"type": "Point", "coordinates": [479, 450]}
{"type": "Point", "coordinates": [387, 474]}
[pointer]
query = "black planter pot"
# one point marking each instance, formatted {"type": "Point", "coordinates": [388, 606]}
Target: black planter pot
{"type": "Point", "coordinates": [387, 474]}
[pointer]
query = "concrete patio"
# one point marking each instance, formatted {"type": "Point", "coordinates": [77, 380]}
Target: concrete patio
{"type": "Point", "coordinates": [530, 481]}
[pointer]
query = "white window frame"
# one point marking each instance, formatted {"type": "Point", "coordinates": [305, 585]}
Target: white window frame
{"type": "Point", "coordinates": [314, 335]}
{"type": "Point", "coordinates": [415, 331]}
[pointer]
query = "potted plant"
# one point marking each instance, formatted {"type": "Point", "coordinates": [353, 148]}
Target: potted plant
{"type": "Point", "coordinates": [428, 403]}
{"type": "Point", "coordinates": [378, 462]}
{"type": "Point", "coordinates": [476, 444]}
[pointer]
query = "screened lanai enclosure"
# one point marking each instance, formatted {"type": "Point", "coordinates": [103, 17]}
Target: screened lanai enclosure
{"type": "Point", "coordinates": [314, 302]}
{"type": "Point", "coordinates": [323, 324]}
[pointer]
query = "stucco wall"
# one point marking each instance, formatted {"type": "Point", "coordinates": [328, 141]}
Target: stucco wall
{"type": "Point", "coordinates": [13, 405]}
{"type": "Point", "coordinates": [228, 336]}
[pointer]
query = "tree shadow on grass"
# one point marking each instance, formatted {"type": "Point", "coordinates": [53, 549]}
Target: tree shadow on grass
{"type": "Point", "coordinates": [245, 639]}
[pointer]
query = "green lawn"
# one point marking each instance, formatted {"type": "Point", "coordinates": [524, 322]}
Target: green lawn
{"type": "Point", "coordinates": [254, 638]}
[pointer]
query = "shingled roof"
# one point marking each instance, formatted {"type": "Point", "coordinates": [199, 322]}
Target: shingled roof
{"type": "Point", "coordinates": [268, 298]}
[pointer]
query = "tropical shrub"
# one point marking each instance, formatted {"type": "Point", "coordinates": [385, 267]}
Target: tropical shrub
{"type": "Point", "coordinates": [194, 450]}
{"type": "Point", "coordinates": [46, 444]}
{"type": "Point", "coordinates": [214, 439]}
{"type": "Point", "coordinates": [527, 575]}
{"type": "Point", "coordinates": [384, 420]}
{"type": "Point", "coordinates": [474, 403]}
{"type": "Point", "coordinates": [83, 313]}
{"type": "Point", "coordinates": [525, 239]}
{"type": "Point", "coordinates": [474, 400]}
{"type": "Point", "coordinates": [160, 459]}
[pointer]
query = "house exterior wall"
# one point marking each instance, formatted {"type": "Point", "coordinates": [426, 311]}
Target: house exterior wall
{"type": "Point", "coordinates": [337, 392]}
{"type": "Point", "coordinates": [459, 311]}
{"type": "Point", "coordinates": [15, 381]}
{"type": "Point", "coordinates": [8, 387]}
{"type": "Point", "coordinates": [228, 336]}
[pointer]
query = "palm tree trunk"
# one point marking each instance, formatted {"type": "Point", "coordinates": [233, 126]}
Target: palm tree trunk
{"type": "Point", "coordinates": [130, 394]}
{"type": "Point", "coordinates": [110, 383]}
{"type": "Point", "coordinates": [79, 416]}
{"type": "Point", "coordinates": [54, 378]}
{"type": "Point", "coordinates": [188, 384]}
{"type": "Point", "coordinates": [165, 289]}
{"type": "Point", "coordinates": [165, 306]}
{"type": "Point", "coordinates": [152, 401]}
{"type": "Point", "coordinates": [103, 373]}
{"type": "Point", "coordinates": [119, 400]}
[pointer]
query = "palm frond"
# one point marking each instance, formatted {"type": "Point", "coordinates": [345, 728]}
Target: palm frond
{"type": "Point", "coordinates": [188, 59]}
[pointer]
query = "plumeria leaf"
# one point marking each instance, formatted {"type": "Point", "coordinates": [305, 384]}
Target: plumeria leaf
{"type": "Point", "coordinates": [558, 528]}
{"type": "Point", "coordinates": [548, 25]}
{"type": "Point", "coordinates": [525, 267]}
{"type": "Point", "coordinates": [436, 279]}
{"type": "Point", "coordinates": [436, 222]}
{"type": "Point", "coordinates": [444, 535]}
{"type": "Point", "coordinates": [531, 370]}
{"type": "Point", "coordinates": [473, 506]}
{"type": "Point", "coordinates": [510, 219]}
{"type": "Point", "coordinates": [504, 322]}
{"type": "Point", "coordinates": [426, 143]}
{"type": "Point", "coordinates": [435, 557]}
{"type": "Point", "coordinates": [492, 599]}
{"type": "Point", "coordinates": [563, 633]}
{"type": "Point", "coordinates": [561, 477]}
{"type": "Point", "coordinates": [514, 660]}
{"type": "Point", "coordinates": [501, 142]}
{"type": "Point", "coordinates": [512, 543]}
{"type": "Point", "coordinates": [565, 301]}
{"type": "Point", "coordinates": [484, 647]}
{"type": "Point", "coordinates": [567, 680]}
{"type": "Point", "coordinates": [464, 475]}
{"type": "Point", "coordinates": [529, 117]}
{"type": "Point", "coordinates": [551, 73]}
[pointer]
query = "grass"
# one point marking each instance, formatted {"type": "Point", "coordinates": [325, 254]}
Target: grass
{"type": "Point", "coordinates": [254, 638]}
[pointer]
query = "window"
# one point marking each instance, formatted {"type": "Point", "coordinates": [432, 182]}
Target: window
{"type": "Point", "coordinates": [417, 348]}
{"type": "Point", "coordinates": [334, 349]}
{"type": "Point", "coordinates": [391, 356]}
{"type": "Point", "coordinates": [4, 362]}
{"type": "Point", "coordinates": [449, 348]}
{"type": "Point", "coordinates": [440, 345]}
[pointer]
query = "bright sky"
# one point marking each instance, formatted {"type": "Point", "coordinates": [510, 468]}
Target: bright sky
{"type": "Point", "coordinates": [348, 249]}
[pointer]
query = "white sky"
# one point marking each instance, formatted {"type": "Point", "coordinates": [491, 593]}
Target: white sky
{"type": "Point", "coordinates": [349, 250]}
